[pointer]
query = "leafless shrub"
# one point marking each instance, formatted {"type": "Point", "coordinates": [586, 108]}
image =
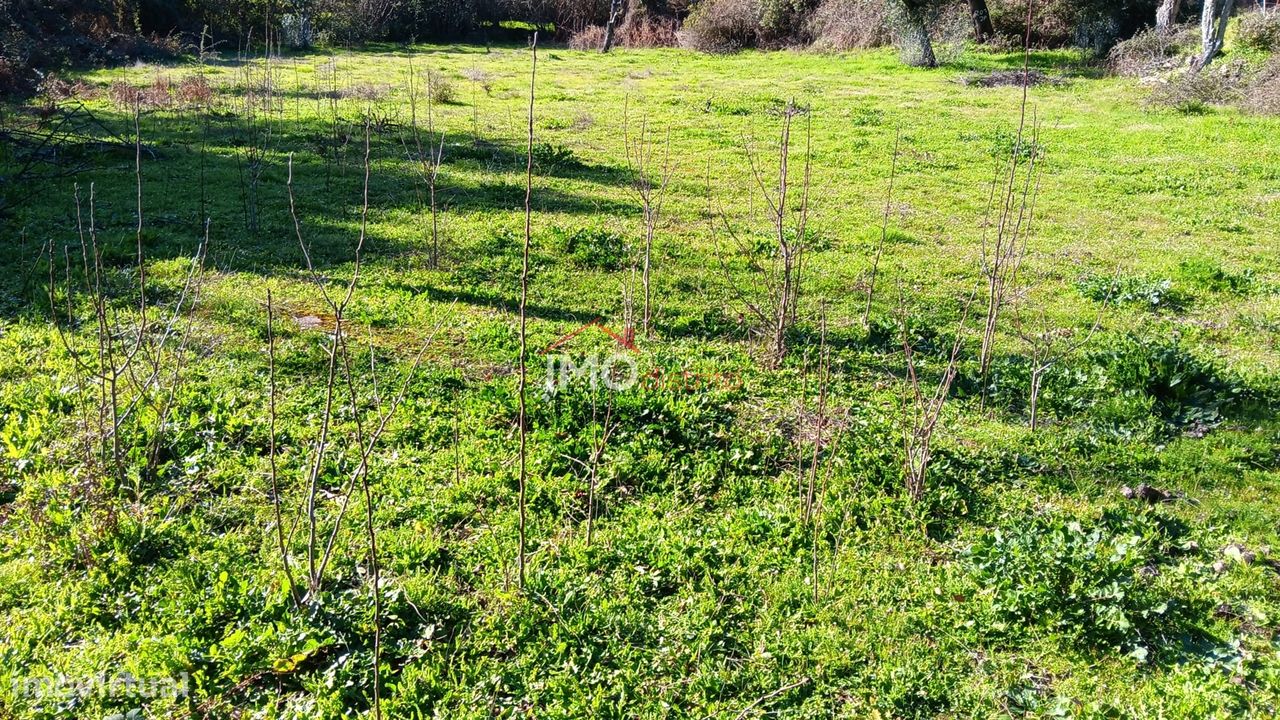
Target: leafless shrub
{"type": "Point", "coordinates": [601, 429]}
{"type": "Point", "coordinates": [339, 380]}
{"type": "Point", "coordinates": [159, 95]}
{"type": "Point", "coordinates": [650, 185]}
{"type": "Point", "coordinates": [1260, 31]}
{"type": "Point", "coordinates": [820, 462]}
{"type": "Point", "coordinates": [772, 298]}
{"type": "Point", "coordinates": [1153, 51]}
{"type": "Point", "coordinates": [124, 95]}
{"type": "Point", "coordinates": [251, 159]}
{"type": "Point", "coordinates": [590, 37]}
{"type": "Point", "coordinates": [356, 439]}
{"type": "Point", "coordinates": [1262, 95]}
{"type": "Point", "coordinates": [922, 413]}
{"type": "Point", "coordinates": [162, 94]}
{"type": "Point", "coordinates": [129, 376]}
{"type": "Point", "coordinates": [1047, 344]}
{"type": "Point", "coordinates": [647, 32]}
{"type": "Point", "coordinates": [824, 377]}
{"type": "Point", "coordinates": [1005, 235]}
{"type": "Point", "coordinates": [884, 230]}
{"type": "Point", "coordinates": [1194, 92]}
{"type": "Point", "coordinates": [57, 89]}
{"type": "Point", "coordinates": [427, 159]}
{"type": "Point", "coordinates": [368, 92]}
{"type": "Point", "coordinates": [722, 26]}
{"type": "Point", "coordinates": [850, 25]}
{"type": "Point", "coordinates": [480, 78]}
{"type": "Point", "coordinates": [440, 89]}
{"type": "Point", "coordinates": [194, 90]}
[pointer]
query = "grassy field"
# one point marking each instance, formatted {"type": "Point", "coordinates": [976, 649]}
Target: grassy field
{"type": "Point", "coordinates": [1022, 583]}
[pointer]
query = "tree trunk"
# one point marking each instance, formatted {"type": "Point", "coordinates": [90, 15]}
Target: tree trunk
{"type": "Point", "coordinates": [1167, 14]}
{"type": "Point", "coordinates": [927, 58]}
{"type": "Point", "coordinates": [1213, 28]}
{"type": "Point", "coordinates": [983, 30]}
{"type": "Point", "coordinates": [615, 11]}
{"type": "Point", "coordinates": [917, 31]}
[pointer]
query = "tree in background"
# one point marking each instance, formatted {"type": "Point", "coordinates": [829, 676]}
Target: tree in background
{"type": "Point", "coordinates": [983, 30]}
{"type": "Point", "coordinates": [615, 11]}
{"type": "Point", "coordinates": [1167, 14]}
{"type": "Point", "coordinates": [1214, 17]}
{"type": "Point", "coordinates": [913, 17]}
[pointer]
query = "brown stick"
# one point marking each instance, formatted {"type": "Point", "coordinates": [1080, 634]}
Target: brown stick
{"type": "Point", "coordinates": [524, 298]}
{"type": "Point", "coordinates": [884, 229]}
{"type": "Point", "coordinates": [785, 688]}
{"type": "Point", "coordinates": [271, 450]}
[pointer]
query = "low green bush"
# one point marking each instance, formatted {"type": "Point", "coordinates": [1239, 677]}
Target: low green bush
{"type": "Point", "coordinates": [1260, 32]}
{"type": "Point", "coordinates": [1088, 580]}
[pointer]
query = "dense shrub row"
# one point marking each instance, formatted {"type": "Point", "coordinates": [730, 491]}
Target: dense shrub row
{"type": "Point", "coordinates": [850, 24]}
{"type": "Point", "coordinates": [42, 34]}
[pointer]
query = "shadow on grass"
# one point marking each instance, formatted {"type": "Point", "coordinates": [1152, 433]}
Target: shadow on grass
{"type": "Point", "coordinates": [197, 167]}
{"type": "Point", "coordinates": [1068, 63]}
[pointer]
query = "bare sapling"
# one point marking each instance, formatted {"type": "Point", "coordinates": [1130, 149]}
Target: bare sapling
{"type": "Point", "coordinates": [358, 446]}
{"type": "Point", "coordinates": [1004, 248]}
{"type": "Point", "coordinates": [479, 79]}
{"type": "Point", "coordinates": [922, 413]}
{"type": "Point", "coordinates": [627, 287]}
{"type": "Point", "coordinates": [281, 543]}
{"type": "Point", "coordinates": [823, 379]}
{"type": "Point", "coordinates": [169, 367]}
{"type": "Point", "coordinates": [1012, 200]}
{"type": "Point", "coordinates": [524, 298]}
{"type": "Point", "coordinates": [597, 452]}
{"type": "Point", "coordinates": [428, 161]}
{"type": "Point", "coordinates": [136, 364]}
{"type": "Point", "coordinates": [339, 380]}
{"type": "Point", "coordinates": [772, 303]}
{"type": "Point", "coordinates": [884, 230]}
{"type": "Point", "coordinates": [819, 511]}
{"type": "Point", "coordinates": [258, 129]}
{"type": "Point", "coordinates": [812, 498]}
{"type": "Point", "coordinates": [1048, 344]}
{"type": "Point", "coordinates": [601, 430]}
{"type": "Point", "coordinates": [650, 184]}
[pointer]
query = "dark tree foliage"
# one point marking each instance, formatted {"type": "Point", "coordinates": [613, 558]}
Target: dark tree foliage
{"type": "Point", "coordinates": [1092, 24]}
{"type": "Point", "coordinates": [36, 35]}
{"type": "Point", "coordinates": [39, 35]}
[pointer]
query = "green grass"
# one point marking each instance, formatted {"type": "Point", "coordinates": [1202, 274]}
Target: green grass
{"type": "Point", "coordinates": [1023, 584]}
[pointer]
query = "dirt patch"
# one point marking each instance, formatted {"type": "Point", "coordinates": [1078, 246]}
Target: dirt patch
{"type": "Point", "coordinates": [313, 322]}
{"type": "Point", "coordinates": [1012, 78]}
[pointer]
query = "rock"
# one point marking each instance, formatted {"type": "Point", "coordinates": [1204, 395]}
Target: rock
{"type": "Point", "coordinates": [1239, 553]}
{"type": "Point", "coordinates": [1148, 494]}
